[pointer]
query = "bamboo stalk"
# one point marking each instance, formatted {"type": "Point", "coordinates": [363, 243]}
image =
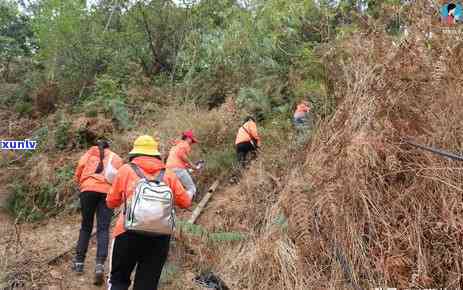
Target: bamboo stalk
{"type": "Point", "coordinates": [203, 203]}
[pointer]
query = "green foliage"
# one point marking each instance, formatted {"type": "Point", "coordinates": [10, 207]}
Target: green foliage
{"type": "Point", "coordinates": [254, 101]}
{"type": "Point", "coordinates": [219, 161]}
{"type": "Point", "coordinates": [226, 237]}
{"type": "Point", "coordinates": [120, 114]}
{"type": "Point", "coordinates": [23, 108]}
{"type": "Point", "coordinates": [197, 230]}
{"type": "Point", "coordinates": [65, 174]}
{"type": "Point", "coordinates": [28, 204]}
{"type": "Point", "coordinates": [192, 229]}
{"type": "Point", "coordinates": [109, 98]}
{"type": "Point", "coordinates": [16, 37]}
{"type": "Point", "coordinates": [62, 135]}
{"type": "Point", "coordinates": [32, 203]}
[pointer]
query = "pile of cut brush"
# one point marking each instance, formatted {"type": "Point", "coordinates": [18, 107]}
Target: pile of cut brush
{"type": "Point", "coordinates": [367, 210]}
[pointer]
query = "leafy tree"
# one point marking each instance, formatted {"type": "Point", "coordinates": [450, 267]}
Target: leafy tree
{"type": "Point", "coordinates": [16, 37]}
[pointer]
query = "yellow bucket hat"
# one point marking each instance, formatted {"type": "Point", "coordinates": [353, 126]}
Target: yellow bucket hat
{"type": "Point", "coordinates": [145, 145]}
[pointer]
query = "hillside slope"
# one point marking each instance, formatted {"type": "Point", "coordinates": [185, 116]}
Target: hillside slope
{"type": "Point", "coordinates": [355, 207]}
{"type": "Point", "coordinates": [365, 209]}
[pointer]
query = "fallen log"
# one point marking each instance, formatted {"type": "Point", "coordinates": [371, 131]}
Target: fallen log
{"type": "Point", "coordinates": [203, 202]}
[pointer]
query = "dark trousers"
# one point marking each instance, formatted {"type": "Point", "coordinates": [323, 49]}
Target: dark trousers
{"type": "Point", "coordinates": [91, 203]}
{"type": "Point", "coordinates": [243, 150]}
{"type": "Point", "coordinates": [148, 253]}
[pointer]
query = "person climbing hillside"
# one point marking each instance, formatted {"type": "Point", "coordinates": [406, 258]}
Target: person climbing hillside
{"type": "Point", "coordinates": [302, 115]}
{"type": "Point", "coordinates": [179, 161]}
{"type": "Point", "coordinates": [247, 140]}
{"type": "Point", "coordinates": [303, 121]}
{"type": "Point", "coordinates": [143, 230]}
{"type": "Point", "coordinates": [94, 174]}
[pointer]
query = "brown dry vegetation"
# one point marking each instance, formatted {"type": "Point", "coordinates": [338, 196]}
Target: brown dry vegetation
{"type": "Point", "coordinates": [363, 209]}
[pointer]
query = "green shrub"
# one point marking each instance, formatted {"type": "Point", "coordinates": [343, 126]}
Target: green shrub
{"type": "Point", "coordinates": [41, 136]}
{"type": "Point", "coordinates": [219, 161]}
{"type": "Point", "coordinates": [227, 237]}
{"type": "Point", "coordinates": [28, 204]}
{"type": "Point", "coordinates": [62, 135]}
{"type": "Point", "coordinates": [23, 108]}
{"type": "Point", "coordinates": [65, 173]}
{"type": "Point", "coordinates": [92, 112]}
{"type": "Point", "coordinates": [31, 204]}
{"type": "Point", "coordinates": [254, 101]}
{"type": "Point", "coordinates": [120, 114]}
{"type": "Point", "coordinates": [197, 230]}
{"type": "Point", "coordinates": [108, 98]}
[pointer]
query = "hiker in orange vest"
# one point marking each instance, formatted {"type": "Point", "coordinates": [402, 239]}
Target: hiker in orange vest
{"type": "Point", "coordinates": [134, 248]}
{"type": "Point", "coordinates": [94, 175]}
{"type": "Point", "coordinates": [247, 140]}
{"type": "Point", "coordinates": [302, 117]}
{"type": "Point", "coordinates": [301, 112]}
{"type": "Point", "coordinates": [179, 161]}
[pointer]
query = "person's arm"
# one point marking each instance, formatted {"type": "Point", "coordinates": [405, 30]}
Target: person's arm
{"type": "Point", "coordinates": [115, 196]}
{"type": "Point", "coordinates": [117, 161]}
{"type": "Point", "coordinates": [182, 199]}
{"type": "Point", "coordinates": [80, 168]}
{"type": "Point", "coordinates": [183, 155]}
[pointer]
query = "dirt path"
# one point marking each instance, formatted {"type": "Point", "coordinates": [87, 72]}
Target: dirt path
{"type": "Point", "coordinates": [61, 275]}
{"type": "Point", "coordinates": [51, 238]}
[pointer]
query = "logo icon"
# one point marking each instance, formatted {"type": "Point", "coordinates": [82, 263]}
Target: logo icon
{"type": "Point", "coordinates": [451, 13]}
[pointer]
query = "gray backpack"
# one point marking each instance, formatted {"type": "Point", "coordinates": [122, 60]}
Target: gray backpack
{"type": "Point", "coordinates": [150, 210]}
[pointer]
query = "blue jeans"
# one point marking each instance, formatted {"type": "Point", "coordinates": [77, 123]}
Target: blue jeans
{"type": "Point", "coordinates": [186, 180]}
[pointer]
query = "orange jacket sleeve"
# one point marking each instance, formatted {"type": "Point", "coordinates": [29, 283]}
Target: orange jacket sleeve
{"type": "Point", "coordinates": [182, 154]}
{"type": "Point", "coordinates": [182, 199]}
{"type": "Point", "coordinates": [80, 168]}
{"type": "Point", "coordinates": [115, 197]}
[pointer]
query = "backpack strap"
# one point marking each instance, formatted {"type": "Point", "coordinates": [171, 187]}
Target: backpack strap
{"type": "Point", "coordinates": [137, 170]}
{"type": "Point", "coordinates": [160, 177]}
{"type": "Point", "coordinates": [139, 174]}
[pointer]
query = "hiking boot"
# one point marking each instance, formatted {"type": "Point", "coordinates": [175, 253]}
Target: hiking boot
{"type": "Point", "coordinates": [77, 267]}
{"type": "Point", "coordinates": [99, 275]}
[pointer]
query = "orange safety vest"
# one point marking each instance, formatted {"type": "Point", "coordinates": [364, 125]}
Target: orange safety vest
{"type": "Point", "coordinates": [85, 175]}
{"type": "Point", "coordinates": [247, 132]}
{"type": "Point", "coordinates": [301, 110]}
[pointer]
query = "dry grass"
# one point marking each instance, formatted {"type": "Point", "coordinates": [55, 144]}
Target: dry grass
{"type": "Point", "coordinates": [394, 214]}
{"type": "Point", "coordinates": [366, 210]}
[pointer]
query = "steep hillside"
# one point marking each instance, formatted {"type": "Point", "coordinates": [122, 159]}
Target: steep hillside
{"type": "Point", "coordinates": [365, 209]}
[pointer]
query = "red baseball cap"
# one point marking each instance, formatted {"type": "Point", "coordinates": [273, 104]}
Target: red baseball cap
{"type": "Point", "coordinates": [189, 134]}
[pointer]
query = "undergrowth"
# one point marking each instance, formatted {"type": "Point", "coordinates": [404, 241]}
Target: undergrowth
{"type": "Point", "coordinates": [29, 202]}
